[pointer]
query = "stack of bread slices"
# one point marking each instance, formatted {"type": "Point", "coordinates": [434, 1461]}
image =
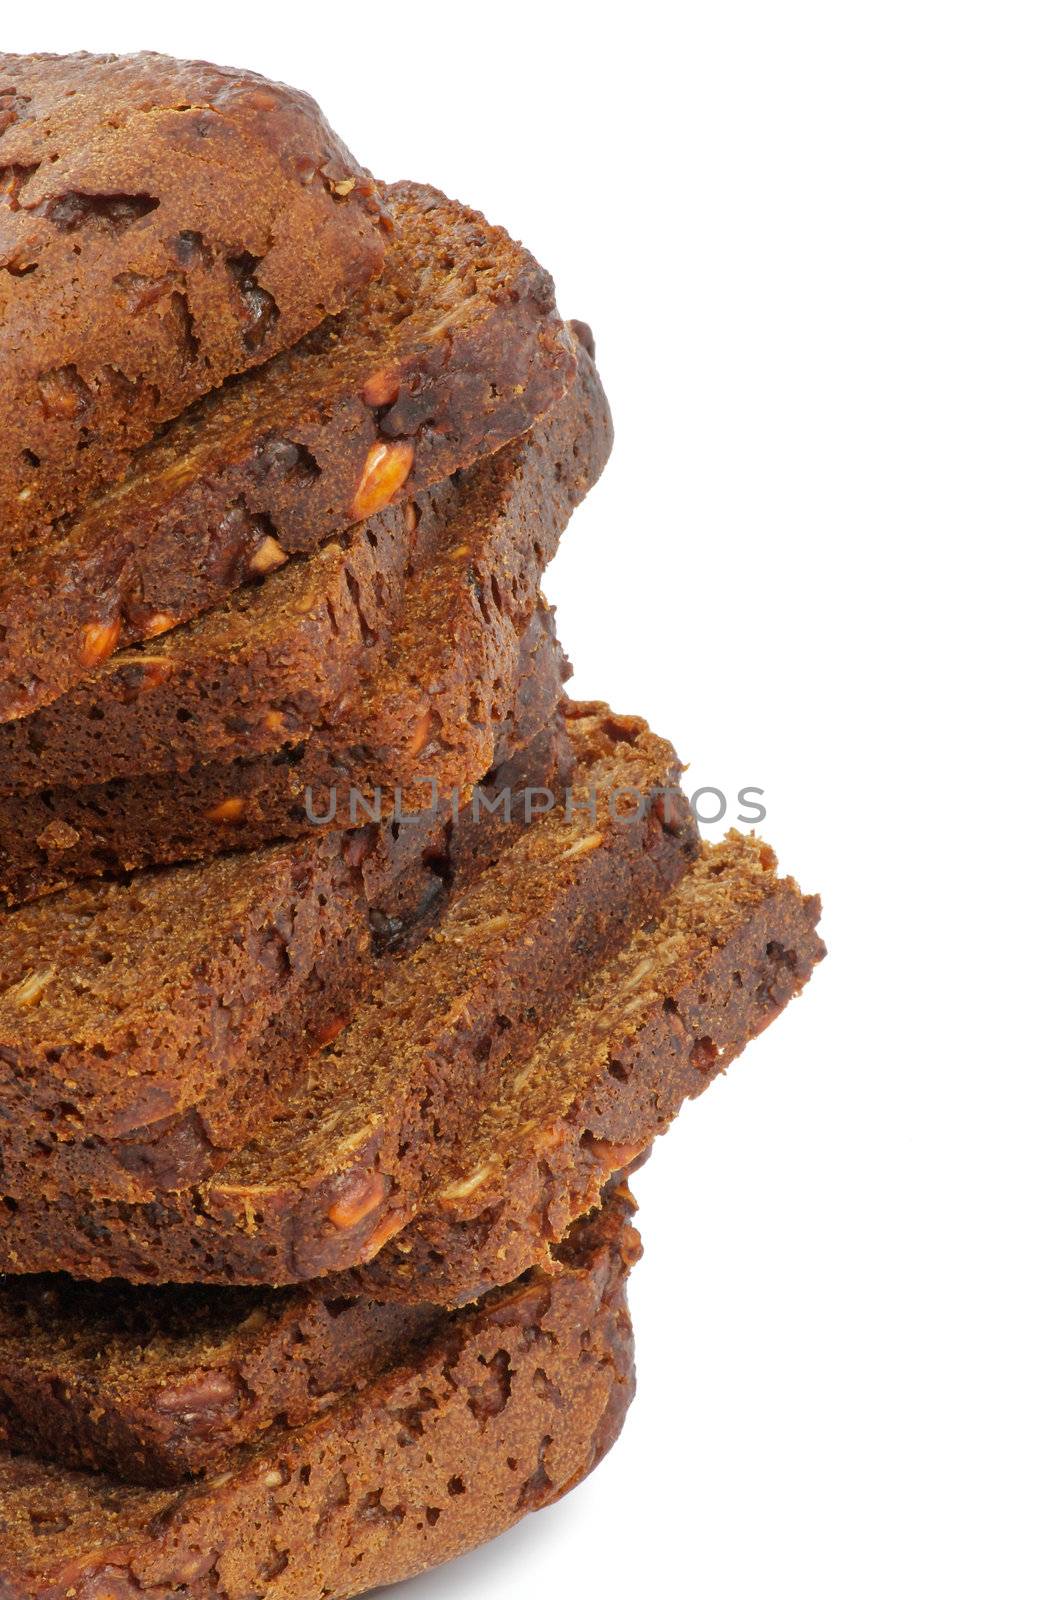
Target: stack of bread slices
{"type": "Point", "coordinates": [347, 968]}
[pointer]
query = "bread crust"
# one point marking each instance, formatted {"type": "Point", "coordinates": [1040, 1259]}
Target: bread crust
{"type": "Point", "coordinates": [163, 225]}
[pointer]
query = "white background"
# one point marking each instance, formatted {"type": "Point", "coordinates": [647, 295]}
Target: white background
{"type": "Point", "coordinates": [820, 245]}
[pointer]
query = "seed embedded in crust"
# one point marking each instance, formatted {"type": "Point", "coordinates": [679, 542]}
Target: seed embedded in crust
{"type": "Point", "coordinates": [613, 1156]}
{"type": "Point", "coordinates": [205, 1393]}
{"type": "Point", "coordinates": [58, 835]}
{"type": "Point", "coordinates": [146, 672]}
{"type": "Point", "coordinates": [466, 1186]}
{"type": "Point", "coordinates": [161, 622]}
{"type": "Point", "coordinates": [99, 640]}
{"type": "Point", "coordinates": [362, 1196]}
{"type": "Point", "coordinates": [230, 810]}
{"type": "Point", "coordinates": [387, 466]}
{"type": "Point", "coordinates": [638, 976]}
{"type": "Point", "coordinates": [421, 729]}
{"type": "Point", "coordinates": [384, 1232]}
{"type": "Point", "coordinates": [324, 1033]}
{"type": "Point", "coordinates": [30, 990]}
{"type": "Point", "coordinates": [382, 389]}
{"type": "Point", "coordinates": [582, 847]}
{"type": "Point", "coordinates": [268, 557]}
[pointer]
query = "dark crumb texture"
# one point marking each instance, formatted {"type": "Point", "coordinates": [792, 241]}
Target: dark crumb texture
{"type": "Point", "coordinates": [344, 1164]}
{"type": "Point", "coordinates": [454, 350]}
{"type": "Point", "coordinates": [163, 225]}
{"type": "Point", "coordinates": [503, 1410]}
{"type": "Point", "coordinates": [730, 947]}
{"type": "Point", "coordinates": [331, 911]}
{"type": "Point", "coordinates": [155, 1385]}
{"type": "Point", "coordinates": [57, 837]}
{"type": "Point", "coordinates": [401, 639]}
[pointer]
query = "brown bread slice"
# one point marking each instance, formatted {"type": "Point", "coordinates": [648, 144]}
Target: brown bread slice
{"type": "Point", "coordinates": [456, 349]}
{"type": "Point", "coordinates": [58, 836]}
{"type": "Point", "coordinates": [309, 653]}
{"type": "Point", "coordinates": [344, 1167]}
{"type": "Point", "coordinates": [504, 1409]}
{"type": "Point", "coordinates": [407, 875]}
{"type": "Point", "coordinates": [89, 1030]}
{"type": "Point", "coordinates": [731, 945]}
{"type": "Point", "coordinates": [155, 1385]}
{"type": "Point", "coordinates": [728, 949]}
{"type": "Point", "coordinates": [163, 225]}
{"type": "Point", "coordinates": [402, 873]}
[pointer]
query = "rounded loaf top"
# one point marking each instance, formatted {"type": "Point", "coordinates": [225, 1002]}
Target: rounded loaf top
{"type": "Point", "coordinates": [164, 224]}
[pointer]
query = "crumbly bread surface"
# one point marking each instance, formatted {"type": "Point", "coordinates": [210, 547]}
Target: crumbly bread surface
{"type": "Point", "coordinates": [454, 350]}
{"type": "Point", "coordinates": [343, 1167]}
{"type": "Point", "coordinates": [400, 639]}
{"type": "Point", "coordinates": [388, 882]}
{"type": "Point", "coordinates": [502, 1410]}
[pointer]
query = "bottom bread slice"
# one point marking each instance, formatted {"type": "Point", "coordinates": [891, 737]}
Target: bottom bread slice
{"type": "Point", "coordinates": [503, 1409]}
{"type": "Point", "coordinates": [160, 1384]}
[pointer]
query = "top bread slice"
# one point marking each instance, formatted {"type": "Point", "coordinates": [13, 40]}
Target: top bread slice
{"type": "Point", "coordinates": [163, 225]}
{"type": "Point", "coordinates": [452, 352]}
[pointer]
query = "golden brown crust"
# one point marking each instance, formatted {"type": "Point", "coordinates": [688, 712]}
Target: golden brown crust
{"type": "Point", "coordinates": [163, 225]}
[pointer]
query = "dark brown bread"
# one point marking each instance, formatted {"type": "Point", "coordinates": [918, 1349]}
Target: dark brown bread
{"type": "Point", "coordinates": [163, 225]}
{"type": "Point", "coordinates": [408, 873]}
{"type": "Point", "coordinates": [156, 1385]}
{"type": "Point", "coordinates": [346, 1164]}
{"type": "Point", "coordinates": [311, 652]}
{"type": "Point", "coordinates": [400, 876]}
{"type": "Point", "coordinates": [88, 1030]}
{"type": "Point", "coordinates": [501, 1412]}
{"type": "Point", "coordinates": [58, 836]}
{"type": "Point", "coordinates": [730, 947]}
{"type": "Point", "coordinates": [455, 350]}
